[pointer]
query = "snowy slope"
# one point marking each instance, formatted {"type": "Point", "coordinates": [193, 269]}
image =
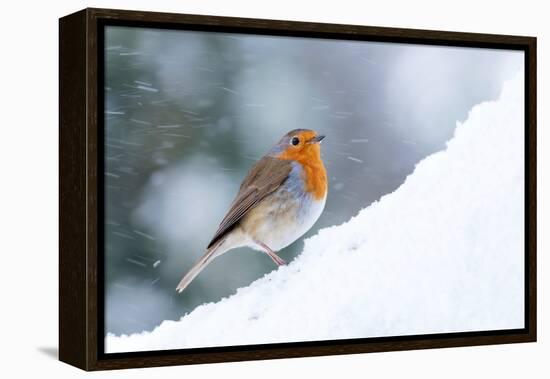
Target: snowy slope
{"type": "Point", "coordinates": [442, 253]}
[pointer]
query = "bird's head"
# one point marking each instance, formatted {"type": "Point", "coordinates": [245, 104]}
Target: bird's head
{"type": "Point", "coordinates": [302, 145]}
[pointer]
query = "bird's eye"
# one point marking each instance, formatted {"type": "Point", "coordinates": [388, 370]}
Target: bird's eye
{"type": "Point", "coordinates": [295, 141]}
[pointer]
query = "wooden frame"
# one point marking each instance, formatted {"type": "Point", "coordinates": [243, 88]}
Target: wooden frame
{"type": "Point", "coordinates": [80, 273]}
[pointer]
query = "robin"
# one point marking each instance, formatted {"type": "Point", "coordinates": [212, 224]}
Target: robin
{"type": "Point", "coordinates": [280, 199]}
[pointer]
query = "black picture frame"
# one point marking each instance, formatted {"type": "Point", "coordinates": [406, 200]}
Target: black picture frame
{"type": "Point", "coordinates": [81, 295]}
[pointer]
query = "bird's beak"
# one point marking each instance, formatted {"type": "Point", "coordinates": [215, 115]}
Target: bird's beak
{"type": "Point", "coordinates": [316, 139]}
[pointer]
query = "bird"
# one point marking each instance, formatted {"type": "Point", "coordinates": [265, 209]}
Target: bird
{"type": "Point", "coordinates": [279, 200]}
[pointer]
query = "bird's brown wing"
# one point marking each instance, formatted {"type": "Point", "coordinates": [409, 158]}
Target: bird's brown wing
{"type": "Point", "coordinates": [264, 178]}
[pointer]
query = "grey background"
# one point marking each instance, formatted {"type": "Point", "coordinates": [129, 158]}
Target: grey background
{"type": "Point", "coordinates": [188, 113]}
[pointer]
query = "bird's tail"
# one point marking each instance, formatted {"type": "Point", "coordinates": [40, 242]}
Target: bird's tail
{"type": "Point", "coordinates": [211, 253]}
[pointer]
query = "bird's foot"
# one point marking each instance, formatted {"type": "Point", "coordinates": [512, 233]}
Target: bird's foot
{"type": "Point", "coordinates": [278, 260]}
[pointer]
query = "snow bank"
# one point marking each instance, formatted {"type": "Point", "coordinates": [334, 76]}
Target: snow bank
{"type": "Point", "coordinates": [442, 253]}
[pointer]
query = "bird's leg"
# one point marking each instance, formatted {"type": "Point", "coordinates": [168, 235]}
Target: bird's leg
{"type": "Point", "coordinates": [278, 260]}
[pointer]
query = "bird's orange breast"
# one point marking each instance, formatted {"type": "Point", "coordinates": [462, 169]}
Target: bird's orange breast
{"type": "Point", "coordinates": [315, 174]}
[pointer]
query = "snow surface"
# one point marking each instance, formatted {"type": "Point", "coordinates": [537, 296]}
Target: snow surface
{"type": "Point", "coordinates": [442, 253]}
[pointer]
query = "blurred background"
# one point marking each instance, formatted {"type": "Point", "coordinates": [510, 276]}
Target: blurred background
{"type": "Point", "coordinates": [188, 113]}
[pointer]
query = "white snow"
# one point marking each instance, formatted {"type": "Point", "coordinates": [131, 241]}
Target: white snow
{"type": "Point", "coordinates": [443, 253]}
{"type": "Point", "coordinates": [146, 88]}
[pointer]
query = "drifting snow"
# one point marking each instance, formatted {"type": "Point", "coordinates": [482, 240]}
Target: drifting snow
{"type": "Point", "coordinates": [442, 253]}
